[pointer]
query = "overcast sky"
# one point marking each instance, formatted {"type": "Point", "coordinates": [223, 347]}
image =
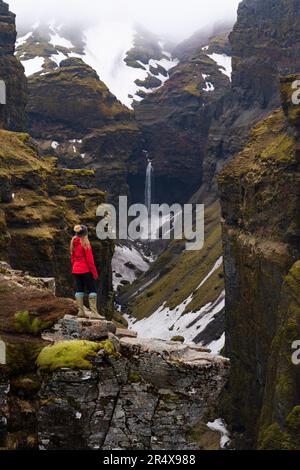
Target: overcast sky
{"type": "Point", "coordinates": [175, 19]}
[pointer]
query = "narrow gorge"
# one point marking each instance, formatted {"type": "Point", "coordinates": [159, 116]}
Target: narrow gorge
{"type": "Point", "coordinates": [196, 350]}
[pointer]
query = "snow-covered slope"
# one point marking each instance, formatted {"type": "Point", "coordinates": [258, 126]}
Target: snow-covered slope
{"type": "Point", "coordinates": [166, 323]}
{"type": "Point", "coordinates": [130, 61]}
{"type": "Point", "coordinates": [182, 294]}
{"type": "Point", "coordinates": [127, 264]}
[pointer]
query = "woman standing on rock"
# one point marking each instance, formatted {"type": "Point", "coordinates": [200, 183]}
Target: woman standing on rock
{"type": "Point", "coordinates": [84, 271]}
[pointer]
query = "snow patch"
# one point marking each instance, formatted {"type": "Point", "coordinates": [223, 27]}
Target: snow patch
{"type": "Point", "coordinates": [209, 87]}
{"type": "Point", "coordinates": [106, 51]}
{"type": "Point", "coordinates": [224, 62]}
{"type": "Point", "coordinates": [58, 58]}
{"type": "Point", "coordinates": [57, 40]}
{"type": "Point", "coordinates": [122, 271]}
{"type": "Point", "coordinates": [54, 145]}
{"type": "Point", "coordinates": [22, 40]}
{"type": "Point", "coordinates": [219, 426]}
{"type": "Point", "coordinates": [217, 346]}
{"type": "Point", "coordinates": [165, 323]}
{"type": "Point", "coordinates": [33, 66]}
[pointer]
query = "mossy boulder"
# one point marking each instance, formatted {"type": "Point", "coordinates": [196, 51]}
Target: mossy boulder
{"type": "Point", "coordinates": [72, 354]}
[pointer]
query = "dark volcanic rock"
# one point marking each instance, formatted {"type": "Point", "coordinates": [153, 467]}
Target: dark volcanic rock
{"type": "Point", "coordinates": [174, 123]}
{"type": "Point", "coordinates": [39, 206]}
{"type": "Point", "coordinates": [149, 396]}
{"type": "Point", "coordinates": [12, 114]}
{"type": "Point", "coordinates": [260, 205]}
{"type": "Point", "coordinates": [71, 99]}
{"type": "Point", "coordinates": [90, 128]}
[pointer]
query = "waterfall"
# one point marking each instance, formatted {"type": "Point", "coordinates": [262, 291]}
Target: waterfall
{"type": "Point", "coordinates": [149, 186]}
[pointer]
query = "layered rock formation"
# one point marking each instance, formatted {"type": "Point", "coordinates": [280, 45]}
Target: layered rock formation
{"type": "Point", "coordinates": [12, 114]}
{"type": "Point", "coordinates": [265, 44]}
{"type": "Point", "coordinates": [260, 205]}
{"type": "Point", "coordinates": [73, 115]}
{"type": "Point", "coordinates": [96, 386]}
{"type": "Point", "coordinates": [175, 137]}
{"type": "Point", "coordinates": [39, 205]}
{"type": "Point", "coordinates": [27, 307]}
{"type": "Point", "coordinates": [150, 395]}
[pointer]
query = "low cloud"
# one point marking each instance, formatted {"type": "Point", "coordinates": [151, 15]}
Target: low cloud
{"type": "Point", "coordinates": [174, 19]}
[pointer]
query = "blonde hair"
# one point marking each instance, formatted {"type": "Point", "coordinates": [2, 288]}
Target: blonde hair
{"type": "Point", "coordinates": [85, 242]}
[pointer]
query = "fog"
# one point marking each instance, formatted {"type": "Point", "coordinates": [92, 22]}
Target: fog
{"type": "Point", "coordinates": [173, 19]}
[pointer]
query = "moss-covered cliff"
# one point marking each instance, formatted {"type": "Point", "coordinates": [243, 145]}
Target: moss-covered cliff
{"type": "Point", "coordinates": [39, 205]}
{"type": "Point", "coordinates": [73, 116]}
{"type": "Point", "coordinates": [12, 114]}
{"type": "Point", "coordinates": [260, 206]}
{"type": "Point", "coordinates": [265, 45]}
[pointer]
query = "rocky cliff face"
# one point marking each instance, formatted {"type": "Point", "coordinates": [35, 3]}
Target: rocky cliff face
{"type": "Point", "coordinates": [175, 137]}
{"type": "Point", "coordinates": [182, 294]}
{"type": "Point", "coordinates": [28, 306]}
{"type": "Point", "coordinates": [260, 206]}
{"type": "Point", "coordinates": [265, 44]}
{"type": "Point", "coordinates": [73, 115]}
{"type": "Point", "coordinates": [96, 386]}
{"type": "Point", "coordinates": [39, 205]}
{"type": "Point", "coordinates": [12, 114]}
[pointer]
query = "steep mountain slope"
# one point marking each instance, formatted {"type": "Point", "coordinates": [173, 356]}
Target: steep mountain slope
{"type": "Point", "coordinates": [260, 206]}
{"type": "Point", "coordinates": [175, 137]}
{"type": "Point", "coordinates": [133, 62]}
{"type": "Point", "coordinates": [39, 205]}
{"type": "Point", "coordinates": [182, 294]}
{"type": "Point", "coordinates": [264, 42]}
{"type": "Point", "coordinates": [73, 116]}
{"type": "Point", "coordinates": [39, 202]}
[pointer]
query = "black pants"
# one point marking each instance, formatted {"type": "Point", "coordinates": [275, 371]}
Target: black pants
{"type": "Point", "coordinates": [85, 282]}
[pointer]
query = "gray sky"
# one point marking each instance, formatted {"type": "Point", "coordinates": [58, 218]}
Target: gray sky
{"type": "Point", "coordinates": [175, 19]}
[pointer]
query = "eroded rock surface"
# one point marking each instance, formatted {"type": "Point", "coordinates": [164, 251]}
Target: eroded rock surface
{"type": "Point", "coordinates": [12, 114]}
{"type": "Point", "coordinates": [149, 396]}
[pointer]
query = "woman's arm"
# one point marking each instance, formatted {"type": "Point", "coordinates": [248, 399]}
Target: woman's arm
{"type": "Point", "coordinates": [91, 262]}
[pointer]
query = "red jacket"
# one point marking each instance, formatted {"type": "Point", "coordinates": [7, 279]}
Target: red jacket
{"type": "Point", "coordinates": [83, 259]}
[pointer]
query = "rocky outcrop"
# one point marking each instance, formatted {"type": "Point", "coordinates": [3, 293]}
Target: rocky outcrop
{"type": "Point", "coordinates": [39, 206]}
{"type": "Point", "coordinates": [149, 395]}
{"type": "Point", "coordinates": [78, 383]}
{"type": "Point", "coordinates": [265, 44]}
{"type": "Point", "coordinates": [27, 307]}
{"type": "Point", "coordinates": [71, 99]}
{"type": "Point", "coordinates": [12, 113]}
{"type": "Point", "coordinates": [73, 115]}
{"type": "Point", "coordinates": [260, 205]}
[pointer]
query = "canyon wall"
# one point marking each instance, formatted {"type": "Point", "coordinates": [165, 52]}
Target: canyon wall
{"type": "Point", "coordinates": [12, 114]}
{"type": "Point", "coordinates": [265, 45]}
{"type": "Point", "coordinates": [261, 233]}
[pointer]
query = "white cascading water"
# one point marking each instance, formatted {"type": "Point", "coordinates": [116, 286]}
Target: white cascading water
{"type": "Point", "coordinates": [149, 187]}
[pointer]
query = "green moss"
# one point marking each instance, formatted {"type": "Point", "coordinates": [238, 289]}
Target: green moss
{"type": "Point", "coordinates": [293, 426]}
{"type": "Point", "coordinates": [171, 397]}
{"type": "Point", "coordinates": [135, 378]}
{"type": "Point", "coordinates": [24, 323]}
{"type": "Point", "coordinates": [71, 354]}
{"type": "Point", "coordinates": [275, 439]}
{"type": "Point", "coordinates": [178, 339]}
{"type": "Point", "coordinates": [192, 89]}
